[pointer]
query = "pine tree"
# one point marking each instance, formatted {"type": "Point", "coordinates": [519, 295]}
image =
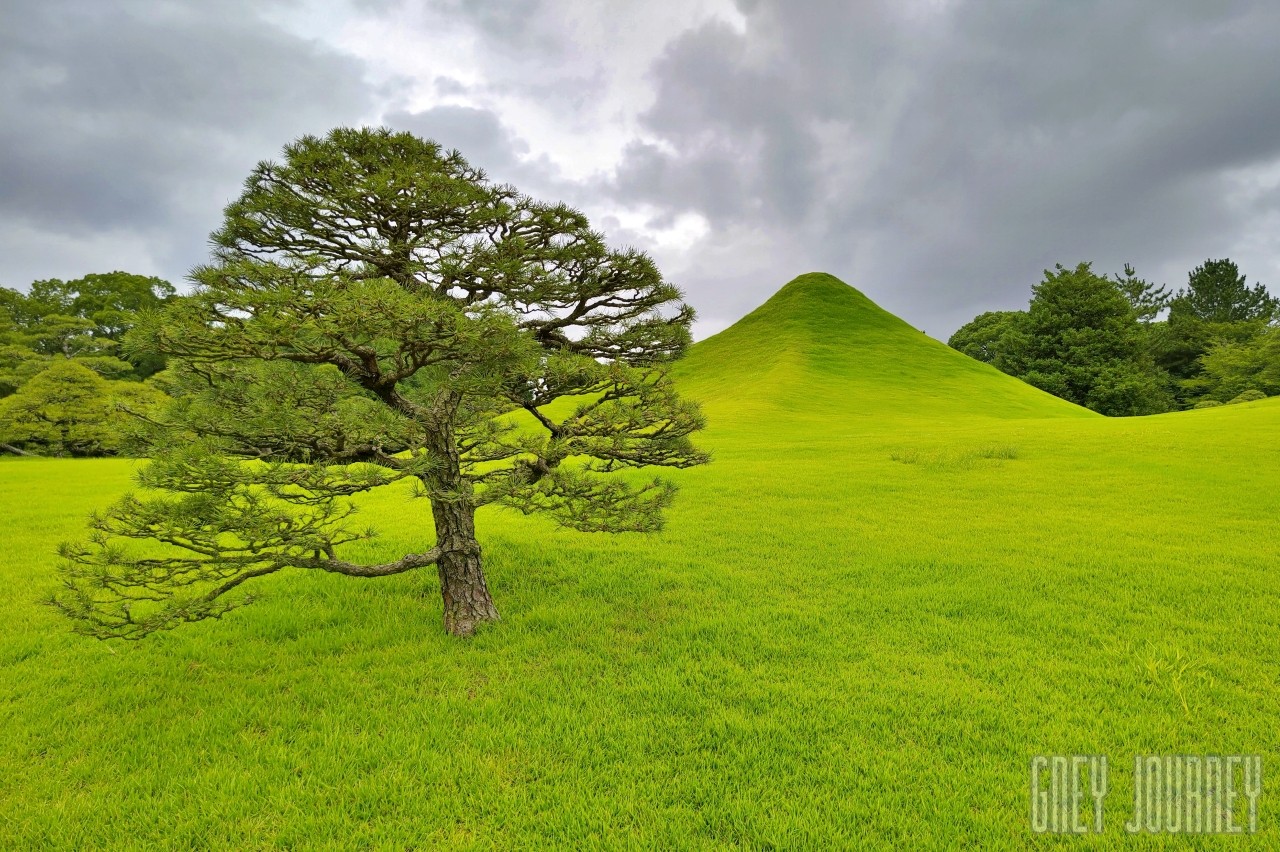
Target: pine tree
{"type": "Point", "coordinates": [377, 311]}
{"type": "Point", "coordinates": [1216, 292]}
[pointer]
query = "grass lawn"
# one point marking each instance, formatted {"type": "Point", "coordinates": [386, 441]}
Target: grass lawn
{"type": "Point", "coordinates": [902, 576]}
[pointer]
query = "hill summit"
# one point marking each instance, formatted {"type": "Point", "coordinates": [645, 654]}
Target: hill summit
{"type": "Point", "coordinates": [821, 347]}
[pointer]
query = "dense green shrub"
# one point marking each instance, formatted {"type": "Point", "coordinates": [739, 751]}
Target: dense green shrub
{"type": "Point", "coordinates": [69, 410]}
{"type": "Point", "coordinates": [1248, 396]}
{"type": "Point", "coordinates": [1231, 367]}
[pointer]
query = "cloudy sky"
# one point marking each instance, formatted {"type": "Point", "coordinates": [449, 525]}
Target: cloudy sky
{"type": "Point", "coordinates": [936, 154]}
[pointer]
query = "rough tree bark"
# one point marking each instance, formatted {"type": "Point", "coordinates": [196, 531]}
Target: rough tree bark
{"type": "Point", "coordinates": [463, 587]}
{"type": "Point", "coordinates": [467, 602]}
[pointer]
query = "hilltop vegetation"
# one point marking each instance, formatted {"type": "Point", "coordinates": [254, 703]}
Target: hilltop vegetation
{"type": "Point", "coordinates": [820, 349]}
{"type": "Point", "coordinates": [904, 574]}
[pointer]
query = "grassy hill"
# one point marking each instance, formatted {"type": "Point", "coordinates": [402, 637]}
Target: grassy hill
{"type": "Point", "coordinates": [819, 349]}
{"type": "Point", "coordinates": [903, 575]}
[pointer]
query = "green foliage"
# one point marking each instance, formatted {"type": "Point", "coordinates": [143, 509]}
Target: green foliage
{"type": "Point", "coordinates": [824, 649]}
{"type": "Point", "coordinates": [1250, 395]}
{"type": "Point", "coordinates": [83, 319]}
{"type": "Point", "coordinates": [111, 300]}
{"type": "Point", "coordinates": [989, 337]}
{"type": "Point", "coordinates": [1180, 344]}
{"type": "Point", "coordinates": [1231, 367]}
{"type": "Point", "coordinates": [68, 409]}
{"type": "Point", "coordinates": [1215, 309]}
{"type": "Point", "coordinates": [57, 332]}
{"type": "Point", "coordinates": [1080, 340]}
{"type": "Point", "coordinates": [1216, 293]}
{"type": "Point", "coordinates": [1146, 299]}
{"type": "Point", "coordinates": [17, 365]}
{"type": "Point", "coordinates": [1081, 345]}
{"type": "Point", "coordinates": [374, 302]}
{"type": "Point", "coordinates": [246, 514]}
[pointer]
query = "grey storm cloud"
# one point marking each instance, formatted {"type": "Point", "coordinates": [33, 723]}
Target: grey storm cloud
{"type": "Point", "coordinates": [141, 119]}
{"type": "Point", "coordinates": [940, 155]}
{"type": "Point", "coordinates": [478, 133]}
{"type": "Point", "coordinates": [482, 137]}
{"type": "Point", "coordinates": [937, 154]}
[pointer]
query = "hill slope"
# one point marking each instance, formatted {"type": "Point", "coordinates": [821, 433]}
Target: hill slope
{"type": "Point", "coordinates": [820, 348]}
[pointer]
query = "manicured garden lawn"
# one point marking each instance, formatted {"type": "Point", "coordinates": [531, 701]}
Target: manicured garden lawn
{"type": "Point", "coordinates": [902, 576]}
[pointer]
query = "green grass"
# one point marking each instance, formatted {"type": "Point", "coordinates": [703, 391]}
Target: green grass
{"type": "Point", "coordinates": [903, 575]}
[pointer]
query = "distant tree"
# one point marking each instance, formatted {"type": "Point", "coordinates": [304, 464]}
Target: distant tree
{"type": "Point", "coordinates": [69, 410]}
{"type": "Point", "coordinates": [1216, 293]}
{"type": "Point", "coordinates": [1146, 299]}
{"type": "Point", "coordinates": [1215, 307]}
{"type": "Point", "coordinates": [989, 336]}
{"type": "Point", "coordinates": [1180, 343]}
{"type": "Point", "coordinates": [1081, 340]}
{"type": "Point", "coordinates": [111, 300]}
{"type": "Point", "coordinates": [1233, 367]}
{"type": "Point", "coordinates": [377, 311]}
{"type": "Point", "coordinates": [18, 362]}
{"type": "Point", "coordinates": [1140, 364]}
{"type": "Point", "coordinates": [17, 311]}
{"type": "Point", "coordinates": [83, 319]}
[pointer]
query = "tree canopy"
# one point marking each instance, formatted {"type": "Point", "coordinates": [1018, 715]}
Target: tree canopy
{"type": "Point", "coordinates": [1234, 367]}
{"type": "Point", "coordinates": [84, 319]}
{"type": "Point", "coordinates": [1101, 342]}
{"type": "Point", "coordinates": [69, 410]}
{"type": "Point", "coordinates": [1216, 292]}
{"type": "Point", "coordinates": [377, 311]}
{"type": "Point", "coordinates": [1215, 308]}
{"type": "Point", "coordinates": [1146, 298]}
{"type": "Point", "coordinates": [55, 325]}
{"type": "Point", "coordinates": [1080, 339]}
{"type": "Point", "coordinates": [988, 337]}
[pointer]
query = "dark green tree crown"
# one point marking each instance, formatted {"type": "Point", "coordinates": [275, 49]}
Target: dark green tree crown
{"type": "Point", "coordinates": [365, 204]}
{"type": "Point", "coordinates": [1216, 292]}
{"type": "Point", "coordinates": [1079, 339]}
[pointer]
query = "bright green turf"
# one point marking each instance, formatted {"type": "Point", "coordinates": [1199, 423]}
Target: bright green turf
{"type": "Point", "coordinates": [862, 621]}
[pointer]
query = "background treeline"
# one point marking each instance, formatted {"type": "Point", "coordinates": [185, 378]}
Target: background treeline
{"type": "Point", "coordinates": [1116, 344]}
{"type": "Point", "coordinates": [1122, 346]}
{"type": "Point", "coordinates": [66, 386]}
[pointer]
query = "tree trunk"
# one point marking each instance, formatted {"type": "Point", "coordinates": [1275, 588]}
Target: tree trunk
{"type": "Point", "coordinates": [462, 584]}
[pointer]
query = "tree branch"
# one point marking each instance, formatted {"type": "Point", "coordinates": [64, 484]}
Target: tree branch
{"type": "Point", "coordinates": [352, 569]}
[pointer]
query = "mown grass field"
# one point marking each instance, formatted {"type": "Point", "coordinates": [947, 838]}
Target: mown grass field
{"type": "Point", "coordinates": [903, 575]}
